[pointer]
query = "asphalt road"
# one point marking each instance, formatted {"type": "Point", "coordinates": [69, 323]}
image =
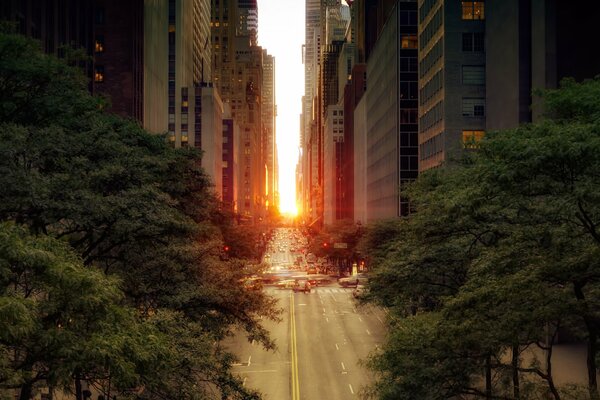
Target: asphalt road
{"type": "Point", "coordinates": [321, 338]}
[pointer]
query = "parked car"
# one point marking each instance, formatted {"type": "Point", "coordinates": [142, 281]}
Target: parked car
{"type": "Point", "coordinates": [353, 281]}
{"type": "Point", "coordinates": [302, 286]}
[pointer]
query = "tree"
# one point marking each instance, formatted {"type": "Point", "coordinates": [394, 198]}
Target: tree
{"type": "Point", "coordinates": [134, 211]}
{"type": "Point", "coordinates": [504, 247]}
{"type": "Point", "coordinates": [59, 318]}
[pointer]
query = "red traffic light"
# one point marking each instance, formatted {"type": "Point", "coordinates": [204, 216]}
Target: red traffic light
{"type": "Point", "coordinates": [226, 248]}
{"type": "Point", "coordinates": [325, 244]}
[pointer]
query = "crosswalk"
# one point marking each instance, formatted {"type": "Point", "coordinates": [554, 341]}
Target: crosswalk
{"type": "Point", "coordinates": [332, 290]}
{"type": "Point", "coordinates": [318, 289]}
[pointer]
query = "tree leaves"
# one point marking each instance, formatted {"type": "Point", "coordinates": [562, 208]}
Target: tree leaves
{"type": "Point", "coordinates": [109, 268]}
{"type": "Point", "coordinates": [503, 249]}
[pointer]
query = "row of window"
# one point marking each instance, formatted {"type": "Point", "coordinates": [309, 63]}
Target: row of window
{"type": "Point", "coordinates": [434, 85]}
{"type": "Point", "coordinates": [436, 52]}
{"type": "Point", "coordinates": [432, 117]}
{"type": "Point", "coordinates": [431, 29]}
{"type": "Point", "coordinates": [426, 8]}
{"type": "Point", "coordinates": [431, 147]}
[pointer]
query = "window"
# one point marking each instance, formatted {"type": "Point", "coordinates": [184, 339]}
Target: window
{"type": "Point", "coordinates": [471, 139]}
{"type": "Point", "coordinates": [478, 42]}
{"type": "Point", "coordinates": [99, 16]}
{"type": "Point", "coordinates": [473, 107]}
{"type": "Point", "coordinates": [99, 45]}
{"type": "Point", "coordinates": [99, 74]}
{"type": "Point", "coordinates": [474, 42]}
{"type": "Point", "coordinates": [473, 74]}
{"type": "Point", "coordinates": [409, 41]}
{"type": "Point", "coordinates": [408, 116]}
{"type": "Point", "coordinates": [473, 10]}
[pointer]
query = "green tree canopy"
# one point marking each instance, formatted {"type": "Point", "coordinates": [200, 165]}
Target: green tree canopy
{"type": "Point", "coordinates": [504, 248]}
{"type": "Point", "coordinates": [137, 214]}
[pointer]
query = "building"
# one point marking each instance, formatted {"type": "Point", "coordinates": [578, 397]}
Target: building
{"type": "Point", "coordinates": [480, 62]}
{"type": "Point", "coordinates": [238, 74]}
{"type": "Point", "coordinates": [268, 110]}
{"type": "Point", "coordinates": [210, 139]}
{"type": "Point", "coordinates": [231, 145]}
{"type": "Point", "coordinates": [391, 108]}
{"type": "Point", "coordinates": [333, 141]}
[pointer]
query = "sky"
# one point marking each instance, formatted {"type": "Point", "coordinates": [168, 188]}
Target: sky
{"type": "Point", "coordinates": [281, 32]}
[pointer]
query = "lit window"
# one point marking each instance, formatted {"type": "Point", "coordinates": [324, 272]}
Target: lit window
{"type": "Point", "coordinates": [471, 139]}
{"type": "Point", "coordinates": [171, 28]}
{"type": "Point", "coordinates": [184, 103]}
{"type": "Point", "coordinates": [99, 74]}
{"type": "Point", "coordinates": [409, 41]}
{"type": "Point", "coordinates": [99, 45]}
{"type": "Point", "coordinates": [473, 10]}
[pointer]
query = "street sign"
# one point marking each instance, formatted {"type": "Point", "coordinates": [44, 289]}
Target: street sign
{"type": "Point", "coordinates": [340, 245]}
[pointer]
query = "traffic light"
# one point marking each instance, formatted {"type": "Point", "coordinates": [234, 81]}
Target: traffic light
{"type": "Point", "coordinates": [226, 248]}
{"type": "Point", "coordinates": [325, 245]}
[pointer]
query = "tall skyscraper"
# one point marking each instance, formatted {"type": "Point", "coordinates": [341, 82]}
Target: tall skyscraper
{"type": "Point", "coordinates": [237, 66]}
{"type": "Point", "coordinates": [268, 117]}
{"type": "Point", "coordinates": [480, 61]}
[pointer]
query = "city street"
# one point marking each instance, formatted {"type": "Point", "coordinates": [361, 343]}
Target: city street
{"type": "Point", "coordinates": [321, 338]}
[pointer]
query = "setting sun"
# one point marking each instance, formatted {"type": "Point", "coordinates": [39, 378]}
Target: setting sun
{"type": "Point", "coordinates": [284, 37]}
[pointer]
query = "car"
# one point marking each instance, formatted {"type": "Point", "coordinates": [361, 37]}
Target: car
{"type": "Point", "coordinates": [318, 280]}
{"type": "Point", "coordinates": [353, 281]}
{"type": "Point", "coordinates": [302, 286]}
{"type": "Point", "coordinates": [286, 284]}
{"type": "Point", "coordinates": [311, 270]}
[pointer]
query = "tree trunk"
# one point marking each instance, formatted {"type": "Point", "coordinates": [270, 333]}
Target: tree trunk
{"type": "Point", "coordinates": [515, 372]}
{"type": "Point", "coordinates": [591, 361]}
{"type": "Point", "coordinates": [592, 345]}
{"type": "Point", "coordinates": [26, 390]}
{"type": "Point", "coordinates": [548, 376]}
{"type": "Point", "coordinates": [78, 391]}
{"type": "Point", "coordinates": [488, 377]}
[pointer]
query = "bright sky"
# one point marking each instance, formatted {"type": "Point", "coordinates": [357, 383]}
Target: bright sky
{"type": "Point", "coordinates": [281, 32]}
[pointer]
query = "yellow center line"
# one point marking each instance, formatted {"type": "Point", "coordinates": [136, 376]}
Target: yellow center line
{"type": "Point", "coordinates": [294, 363]}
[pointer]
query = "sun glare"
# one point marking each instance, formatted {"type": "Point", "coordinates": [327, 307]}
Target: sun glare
{"type": "Point", "coordinates": [283, 38]}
